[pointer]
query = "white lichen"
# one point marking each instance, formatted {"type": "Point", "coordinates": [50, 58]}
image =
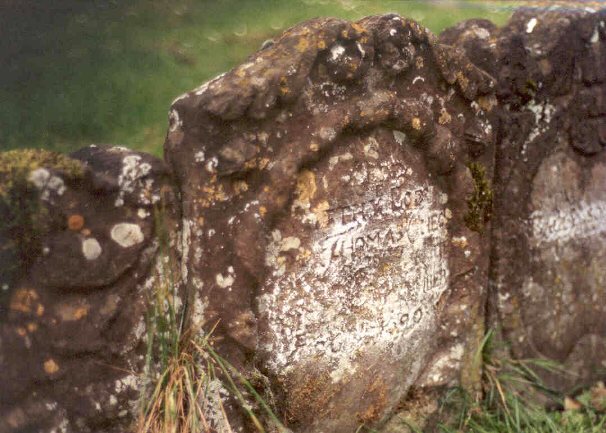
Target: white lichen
{"type": "Point", "coordinates": [131, 178]}
{"type": "Point", "coordinates": [126, 234]}
{"type": "Point", "coordinates": [91, 248]}
{"type": "Point", "coordinates": [46, 183]}
{"type": "Point", "coordinates": [383, 265]}
{"type": "Point", "coordinates": [531, 25]}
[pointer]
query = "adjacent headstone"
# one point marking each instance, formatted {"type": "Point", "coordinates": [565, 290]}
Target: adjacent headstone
{"type": "Point", "coordinates": [335, 192]}
{"type": "Point", "coordinates": [76, 245]}
{"type": "Point", "coordinates": [549, 257]}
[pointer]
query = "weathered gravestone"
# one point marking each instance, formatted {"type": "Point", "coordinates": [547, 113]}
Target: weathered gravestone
{"type": "Point", "coordinates": [334, 199]}
{"type": "Point", "coordinates": [76, 247]}
{"type": "Point", "coordinates": [549, 257]}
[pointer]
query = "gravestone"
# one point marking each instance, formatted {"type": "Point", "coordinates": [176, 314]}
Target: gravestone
{"type": "Point", "coordinates": [77, 242]}
{"type": "Point", "coordinates": [549, 256]}
{"type": "Point", "coordinates": [335, 199]}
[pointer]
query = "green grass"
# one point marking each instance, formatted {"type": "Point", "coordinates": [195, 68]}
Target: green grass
{"type": "Point", "coordinates": [108, 72]}
{"type": "Point", "coordinates": [516, 400]}
{"type": "Point", "coordinates": [183, 370]}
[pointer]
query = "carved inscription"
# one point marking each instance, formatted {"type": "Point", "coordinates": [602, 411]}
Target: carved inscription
{"type": "Point", "coordinates": [582, 220]}
{"type": "Point", "coordinates": [566, 233]}
{"type": "Point", "coordinates": [370, 280]}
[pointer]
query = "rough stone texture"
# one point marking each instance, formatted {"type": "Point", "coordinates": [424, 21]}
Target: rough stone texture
{"type": "Point", "coordinates": [549, 256]}
{"type": "Point", "coordinates": [76, 246]}
{"type": "Point", "coordinates": [335, 196]}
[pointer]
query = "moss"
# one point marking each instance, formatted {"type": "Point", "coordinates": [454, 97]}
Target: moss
{"type": "Point", "coordinates": [15, 166]}
{"type": "Point", "coordinates": [480, 202]}
{"type": "Point", "coordinates": [23, 219]}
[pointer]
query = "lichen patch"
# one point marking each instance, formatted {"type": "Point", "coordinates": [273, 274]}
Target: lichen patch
{"type": "Point", "coordinates": [91, 249]}
{"type": "Point", "coordinates": [126, 234]}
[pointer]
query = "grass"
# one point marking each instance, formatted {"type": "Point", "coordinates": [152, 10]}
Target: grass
{"type": "Point", "coordinates": [184, 374]}
{"type": "Point", "coordinates": [107, 71]}
{"type": "Point", "coordinates": [517, 401]}
{"type": "Point", "coordinates": [186, 380]}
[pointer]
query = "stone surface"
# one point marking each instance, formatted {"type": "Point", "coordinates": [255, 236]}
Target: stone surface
{"type": "Point", "coordinates": [335, 200]}
{"type": "Point", "coordinates": [549, 256]}
{"type": "Point", "coordinates": [335, 195]}
{"type": "Point", "coordinates": [76, 247]}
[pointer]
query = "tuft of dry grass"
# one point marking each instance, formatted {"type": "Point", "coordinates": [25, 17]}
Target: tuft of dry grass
{"type": "Point", "coordinates": [187, 383]}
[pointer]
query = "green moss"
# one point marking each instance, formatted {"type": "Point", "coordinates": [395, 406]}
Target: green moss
{"type": "Point", "coordinates": [23, 218]}
{"type": "Point", "coordinates": [480, 202]}
{"type": "Point", "coordinates": [15, 166]}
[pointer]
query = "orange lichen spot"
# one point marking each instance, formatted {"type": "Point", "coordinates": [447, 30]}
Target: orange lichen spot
{"type": "Point", "coordinates": [81, 312]}
{"type": "Point", "coordinates": [265, 189]}
{"type": "Point", "coordinates": [50, 366]}
{"type": "Point", "coordinates": [262, 210]}
{"type": "Point", "coordinates": [32, 327]}
{"type": "Point", "coordinates": [377, 397]}
{"type": "Point", "coordinates": [39, 310]}
{"type": "Point", "coordinates": [321, 45]}
{"type": "Point", "coordinates": [23, 300]}
{"type": "Point", "coordinates": [75, 222]}
{"type": "Point", "coordinates": [314, 147]}
{"type": "Point", "coordinates": [416, 123]}
{"type": "Point", "coordinates": [71, 312]}
{"type": "Point", "coordinates": [22, 332]}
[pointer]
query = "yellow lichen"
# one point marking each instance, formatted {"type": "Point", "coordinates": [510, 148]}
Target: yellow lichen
{"type": "Point", "coordinates": [16, 165]}
{"type": "Point", "coordinates": [320, 210]}
{"type": "Point", "coordinates": [358, 28]}
{"type": "Point", "coordinates": [419, 63]}
{"type": "Point", "coordinates": [50, 366]}
{"type": "Point", "coordinates": [23, 300]}
{"type": "Point", "coordinates": [306, 187]}
{"type": "Point", "coordinates": [239, 186]}
{"type": "Point", "coordinates": [462, 80]}
{"type": "Point", "coordinates": [22, 215]}
{"type": "Point", "coordinates": [416, 123]}
{"type": "Point", "coordinates": [445, 117]}
{"type": "Point", "coordinates": [304, 255]}
{"type": "Point", "coordinates": [487, 103]}
{"type": "Point", "coordinates": [302, 45]}
{"type": "Point", "coordinates": [71, 312]}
